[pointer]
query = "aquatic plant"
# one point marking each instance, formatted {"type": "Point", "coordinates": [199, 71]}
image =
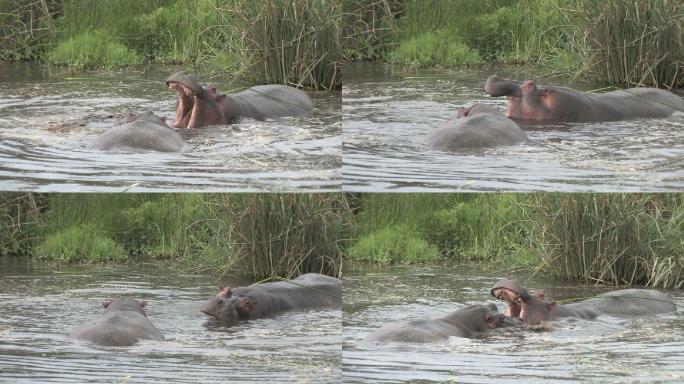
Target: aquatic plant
{"type": "Point", "coordinates": [629, 43]}
{"type": "Point", "coordinates": [19, 222]}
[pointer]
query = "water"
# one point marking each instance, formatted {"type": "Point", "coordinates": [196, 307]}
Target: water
{"type": "Point", "coordinates": [606, 350]}
{"type": "Point", "coordinates": [48, 116]}
{"type": "Point", "coordinates": [38, 307]}
{"type": "Point", "coordinates": [388, 115]}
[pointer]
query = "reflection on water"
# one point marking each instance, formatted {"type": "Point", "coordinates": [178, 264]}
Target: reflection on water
{"type": "Point", "coordinates": [604, 350]}
{"type": "Point", "coordinates": [48, 116]}
{"type": "Point", "coordinates": [38, 307]}
{"type": "Point", "coordinates": [387, 117]}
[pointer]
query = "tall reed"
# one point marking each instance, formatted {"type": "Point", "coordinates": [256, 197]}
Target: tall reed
{"type": "Point", "coordinates": [20, 220]}
{"type": "Point", "coordinates": [630, 42]}
{"type": "Point", "coordinates": [285, 234]}
{"type": "Point", "coordinates": [296, 42]}
{"type": "Point", "coordinates": [26, 28]}
{"type": "Point", "coordinates": [369, 28]}
{"type": "Point", "coordinates": [610, 238]}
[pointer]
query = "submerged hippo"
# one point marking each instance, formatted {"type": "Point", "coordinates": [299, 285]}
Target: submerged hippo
{"type": "Point", "coordinates": [200, 106]}
{"type": "Point", "coordinates": [533, 309]}
{"type": "Point", "coordinates": [469, 321]}
{"type": "Point", "coordinates": [311, 290]}
{"type": "Point", "coordinates": [480, 126]}
{"type": "Point", "coordinates": [124, 323]}
{"type": "Point", "coordinates": [530, 101]}
{"type": "Point", "coordinates": [142, 132]}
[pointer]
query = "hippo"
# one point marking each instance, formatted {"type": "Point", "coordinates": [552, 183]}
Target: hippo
{"type": "Point", "coordinates": [533, 309]}
{"type": "Point", "coordinates": [142, 132]}
{"type": "Point", "coordinates": [469, 321]}
{"type": "Point", "coordinates": [199, 106]}
{"type": "Point", "coordinates": [311, 290]}
{"type": "Point", "coordinates": [124, 323]}
{"type": "Point", "coordinates": [529, 101]}
{"type": "Point", "coordinates": [480, 126]}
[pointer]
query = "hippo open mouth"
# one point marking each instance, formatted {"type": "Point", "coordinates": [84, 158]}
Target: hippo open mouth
{"type": "Point", "coordinates": [187, 88]}
{"type": "Point", "coordinates": [513, 293]}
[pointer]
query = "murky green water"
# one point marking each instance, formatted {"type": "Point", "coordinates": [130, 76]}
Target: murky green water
{"type": "Point", "coordinates": [388, 114]}
{"type": "Point", "coordinates": [48, 116]}
{"type": "Point", "coordinates": [606, 350]}
{"type": "Point", "coordinates": [38, 307]}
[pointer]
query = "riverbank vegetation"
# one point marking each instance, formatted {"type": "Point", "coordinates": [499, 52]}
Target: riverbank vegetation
{"type": "Point", "coordinates": [261, 235]}
{"type": "Point", "coordinates": [287, 42]}
{"type": "Point", "coordinates": [596, 238]}
{"type": "Point", "coordinates": [612, 41]}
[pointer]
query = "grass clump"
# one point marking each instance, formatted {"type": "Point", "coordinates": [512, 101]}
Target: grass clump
{"type": "Point", "coordinates": [93, 50]}
{"type": "Point", "coordinates": [83, 243]}
{"type": "Point", "coordinates": [434, 49]}
{"type": "Point", "coordinates": [393, 245]}
{"type": "Point", "coordinates": [369, 28]}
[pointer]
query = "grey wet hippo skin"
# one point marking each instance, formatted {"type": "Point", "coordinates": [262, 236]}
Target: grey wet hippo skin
{"type": "Point", "coordinates": [123, 323]}
{"type": "Point", "coordinates": [142, 132]}
{"type": "Point", "coordinates": [533, 308]}
{"type": "Point", "coordinates": [528, 100]}
{"type": "Point", "coordinates": [480, 126]}
{"type": "Point", "coordinates": [199, 106]}
{"type": "Point", "coordinates": [311, 290]}
{"type": "Point", "coordinates": [470, 321]}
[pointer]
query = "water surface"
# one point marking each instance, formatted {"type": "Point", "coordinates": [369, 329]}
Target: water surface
{"type": "Point", "coordinates": [49, 115]}
{"type": "Point", "coordinates": [39, 306]}
{"type": "Point", "coordinates": [606, 350]}
{"type": "Point", "coordinates": [388, 114]}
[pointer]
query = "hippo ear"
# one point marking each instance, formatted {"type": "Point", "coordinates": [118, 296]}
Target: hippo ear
{"type": "Point", "coordinates": [539, 294]}
{"type": "Point", "coordinates": [142, 303]}
{"type": "Point", "coordinates": [463, 112]}
{"type": "Point", "coordinates": [106, 303]}
{"type": "Point", "coordinates": [551, 306]}
{"type": "Point", "coordinates": [246, 305]}
{"type": "Point", "coordinates": [221, 97]}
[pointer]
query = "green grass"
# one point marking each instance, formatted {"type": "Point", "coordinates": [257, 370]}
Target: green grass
{"type": "Point", "coordinates": [397, 244]}
{"type": "Point", "coordinates": [434, 49]}
{"type": "Point", "coordinates": [84, 243]}
{"type": "Point", "coordinates": [93, 50]}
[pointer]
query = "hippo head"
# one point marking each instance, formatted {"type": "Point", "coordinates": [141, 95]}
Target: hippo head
{"type": "Point", "coordinates": [513, 293]}
{"type": "Point", "coordinates": [228, 307]}
{"type": "Point", "coordinates": [198, 106]}
{"type": "Point", "coordinates": [476, 109]}
{"type": "Point", "coordinates": [529, 101]}
{"type": "Point", "coordinates": [125, 304]}
{"type": "Point", "coordinates": [144, 116]}
{"type": "Point", "coordinates": [530, 308]}
{"type": "Point", "coordinates": [535, 310]}
{"type": "Point", "coordinates": [478, 317]}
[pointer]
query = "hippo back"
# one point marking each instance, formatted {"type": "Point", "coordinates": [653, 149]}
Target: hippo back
{"type": "Point", "coordinates": [483, 130]}
{"type": "Point", "coordinates": [311, 290]}
{"type": "Point", "coordinates": [120, 328]}
{"type": "Point", "coordinates": [143, 133]}
{"type": "Point", "coordinates": [268, 101]}
{"type": "Point", "coordinates": [631, 302]}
